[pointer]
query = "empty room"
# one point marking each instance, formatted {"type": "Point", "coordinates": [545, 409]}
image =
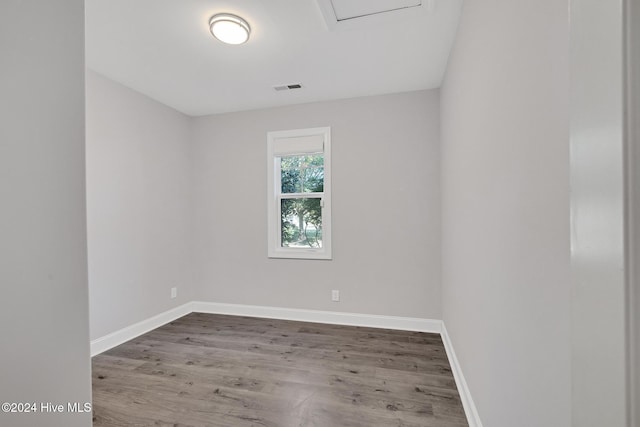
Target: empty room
{"type": "Point", "coordinates": [319, 213]}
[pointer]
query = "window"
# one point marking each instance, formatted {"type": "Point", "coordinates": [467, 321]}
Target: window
{"type": "Point", "coordinates": [299, 193]}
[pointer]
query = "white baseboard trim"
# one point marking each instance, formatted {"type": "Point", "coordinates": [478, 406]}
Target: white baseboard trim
{"type": "Point", "coordinates": [116, 338]}
{"type": "Point", "coordinates": [316, 316]}
{"type": "Point", "coordinates": [463, 389]}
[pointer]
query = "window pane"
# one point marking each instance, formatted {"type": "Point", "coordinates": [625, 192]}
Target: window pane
{"type": "Point", "coordinates": [302, 174]}
{"type": "Point", "coordinates": [301, 220]}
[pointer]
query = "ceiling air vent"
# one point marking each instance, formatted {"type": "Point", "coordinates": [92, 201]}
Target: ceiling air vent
{"type": "Point", "coordinates": [287, 87]}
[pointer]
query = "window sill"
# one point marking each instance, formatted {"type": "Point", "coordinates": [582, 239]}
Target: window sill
{"type": "Point", "coordinates": [300, 254]}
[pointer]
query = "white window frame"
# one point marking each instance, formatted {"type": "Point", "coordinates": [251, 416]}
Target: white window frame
{"type": "Point", "coordinates": [276, 142]}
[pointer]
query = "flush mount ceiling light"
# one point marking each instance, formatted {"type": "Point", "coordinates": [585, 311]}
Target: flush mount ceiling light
{"type": "Point", "coordinates": [230, 29]}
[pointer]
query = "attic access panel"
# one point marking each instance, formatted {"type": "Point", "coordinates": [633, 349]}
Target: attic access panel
{"type": "Point", "coordinates": [350, 9]}
{"type": "Point", "coordinates": [345, 14]}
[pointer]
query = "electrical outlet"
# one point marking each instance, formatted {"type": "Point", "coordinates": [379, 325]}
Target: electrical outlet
{"type": "Point", "coordinates": [335, 295]}
{"type": "Point", "coordinates": [174, 292]}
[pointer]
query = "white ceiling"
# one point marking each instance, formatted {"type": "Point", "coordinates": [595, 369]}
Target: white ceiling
{"type": "Point", "coordinates": [163, 49]}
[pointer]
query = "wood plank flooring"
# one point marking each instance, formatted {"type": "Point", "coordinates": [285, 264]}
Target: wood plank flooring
{"type": "Point", "coordinates": [216, 370]}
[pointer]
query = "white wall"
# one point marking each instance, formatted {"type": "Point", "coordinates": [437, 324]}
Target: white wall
{"type": "Point", "coordinates": [386, 208]}
{"type": "Point", "coordinates": [597, 215]}
{"type": "Point", "coordinates": [633, 181]}
{"type": "Point", "coordinates": [44, 355]}
{"type": "Point", "coordinates": [505, 163]}
{"type": "Point", "coordinates": [139, 206]}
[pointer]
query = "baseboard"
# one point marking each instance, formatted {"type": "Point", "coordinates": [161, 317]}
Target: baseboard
{"type": "Point", "coordinates": [116, 338]}
{"type": "Point", "coordinates": [463, 389]}
{"type": "Point", "coordinates": [316, 316]}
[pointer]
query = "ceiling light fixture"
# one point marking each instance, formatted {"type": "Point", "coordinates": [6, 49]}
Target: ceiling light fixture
{"type": "Point", "coordinates": [230, 29]}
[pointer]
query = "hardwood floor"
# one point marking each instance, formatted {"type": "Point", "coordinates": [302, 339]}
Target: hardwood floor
{"type": "Point", "coordinates": [216, 370]}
